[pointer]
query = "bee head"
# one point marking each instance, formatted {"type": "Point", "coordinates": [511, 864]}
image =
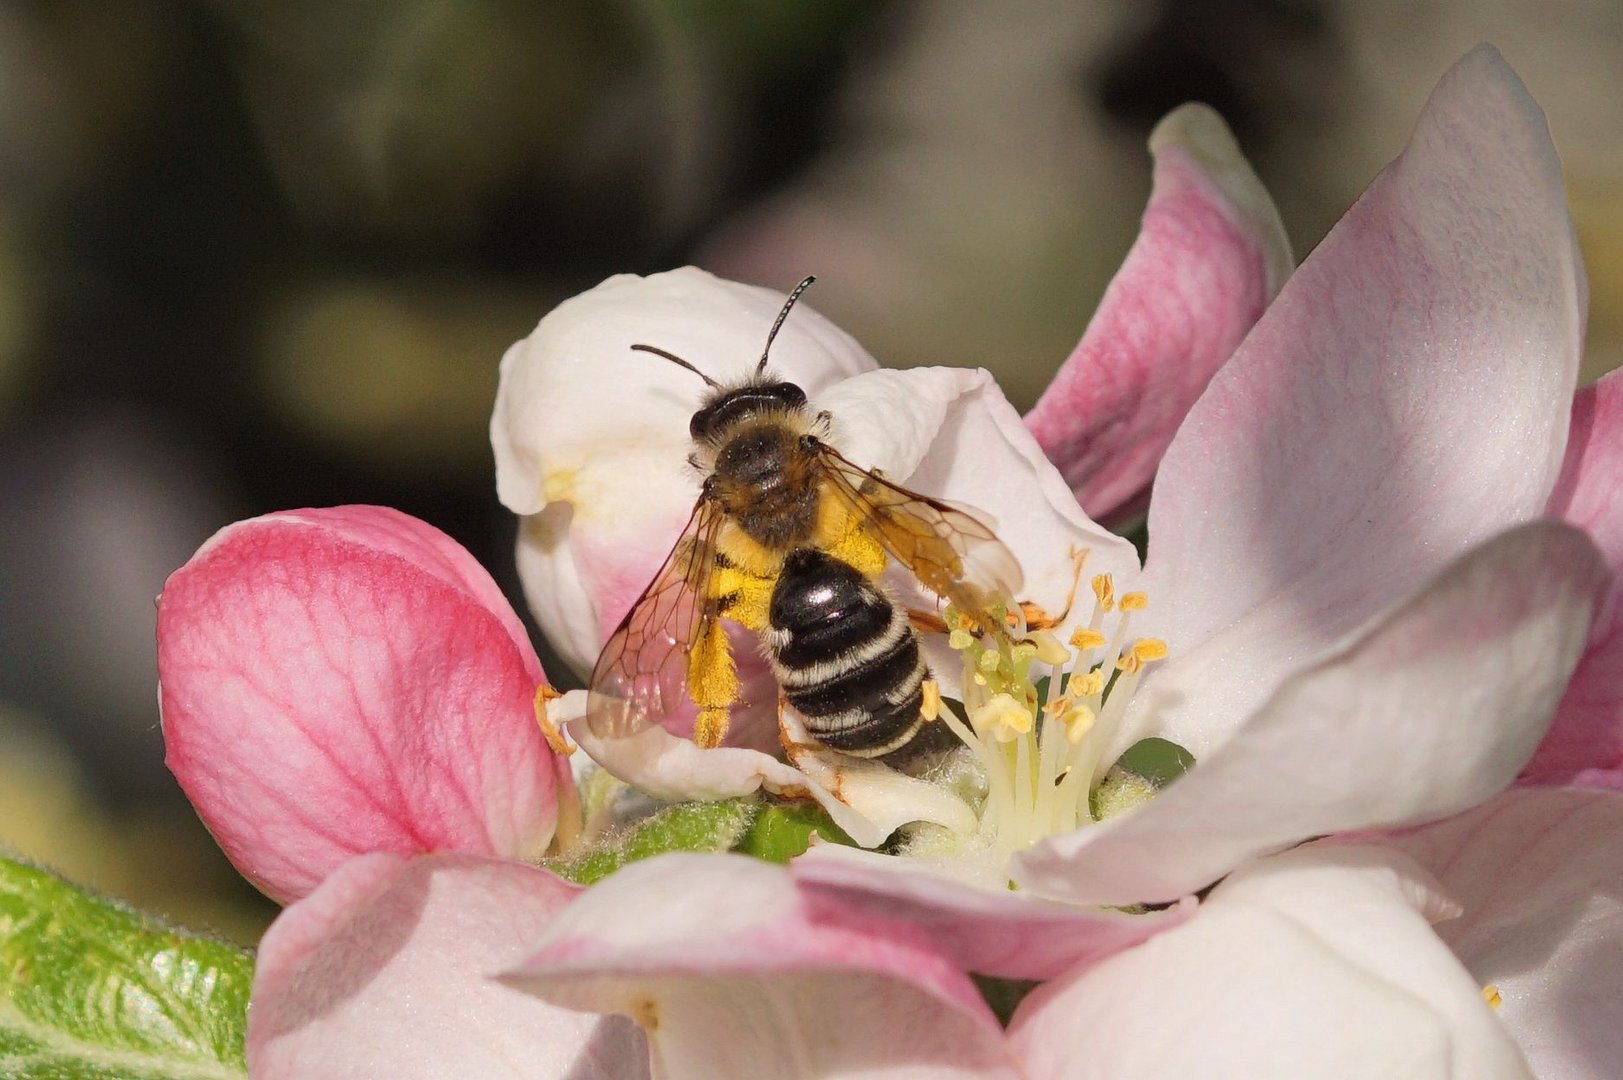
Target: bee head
{"type": "Point", "coordinates": [725, 409]}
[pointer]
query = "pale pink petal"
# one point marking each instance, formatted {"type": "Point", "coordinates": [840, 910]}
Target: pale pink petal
{"type": "Point", "coordinates": [1211, 253]}
{"type": "Point", "coordinates": [385, 970]}
{"type": "Point", "coordinates": [331, 684]}
{"type": "Point", "coordinates": [994, 932]}
{"type": "Point", "coordinates": [732, 972]}
{"type": "Point", "coordinates": [1539, 874]}
{"type": "Point", "coordinates": [1405, 397]}
{"type": "Point", "coordinates": [1317, 963]}
{"type": "Point", "coordinates": [1586, 739]}
{"type": "Point", "coordinates": [1429, 711]}
{"type": "Point", "coordinates": [593, 437]}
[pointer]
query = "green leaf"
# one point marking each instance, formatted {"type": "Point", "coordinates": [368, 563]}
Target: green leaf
{"type": "Point", "coordinates": [696, 826]}
{"type": "Point", "coordinates": [781, 831]}
{"type": "Point", "coordinates": [1160, 761]}
{"type": "Point", "coordinates": [91, 990]}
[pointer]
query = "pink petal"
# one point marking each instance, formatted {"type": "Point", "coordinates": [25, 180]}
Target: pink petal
{"type": "Point", "coordinates": [1211, 253]}
{"type": "Point", "coordinates": [1539, 874]}
{"type": "Point", "coordinates": [341, 681]}
{"type": "Point", "coordinates": [732, 972]}
{"type": "Point", "coordinates": [1405, 397]}
{"type": "Point", "coordinates": [1008, 934]}
{"type": "Point", "coordinates": [1586, 739]}
{"type": "Point", "coordinates": [1316, 963]}
{"type": "Point", "coordinates": [384, 970]}
{"type": "Point", "coordinates": [1431, 710]}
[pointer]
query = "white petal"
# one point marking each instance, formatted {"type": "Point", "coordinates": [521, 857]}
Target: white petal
{"type": "Point", "coordinates": [1316, 963]}
{"type": "Point", "coordinates": [1539, 874]}
{"type": "Point", "coordinates": [1428, 712]}
{"type": "Point", "coordinates": [1405, 396]}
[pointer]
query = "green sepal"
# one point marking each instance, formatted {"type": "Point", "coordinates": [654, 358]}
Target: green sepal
{"type": "Point", "coordinates": [92, 990]}
{"type": "Point", "coordinates": [781, 831]}
{"type": "Point", "coordinates": [1160, 761]}
{"type": "Point", "coordinates": [694, 826]}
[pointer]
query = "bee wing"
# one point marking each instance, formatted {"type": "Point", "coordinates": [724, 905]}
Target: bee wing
{"type": "Point", "coordinates": [641, 675]}
{"type": "Point", "coordinates": [953, 554]}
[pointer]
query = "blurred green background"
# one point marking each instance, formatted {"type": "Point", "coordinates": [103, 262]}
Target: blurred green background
{"type": "Point", "coordinates": [262, 255]}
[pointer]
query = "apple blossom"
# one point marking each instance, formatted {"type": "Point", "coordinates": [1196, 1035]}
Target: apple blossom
{"type": "Point", "coordinates": [1329, 566]}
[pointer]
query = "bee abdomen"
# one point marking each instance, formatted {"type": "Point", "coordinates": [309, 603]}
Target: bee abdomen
{"type": "Point", "coordinates": [847, 658]}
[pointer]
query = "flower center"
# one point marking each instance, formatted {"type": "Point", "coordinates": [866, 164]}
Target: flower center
{"type": "Point", "coordinates": [1041, 714]}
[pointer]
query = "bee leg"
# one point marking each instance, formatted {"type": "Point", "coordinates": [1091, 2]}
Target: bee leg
{"type": "Point", "coordinates": [927, 622]}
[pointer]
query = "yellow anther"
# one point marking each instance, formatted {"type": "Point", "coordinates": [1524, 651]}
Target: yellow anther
{"type": "Point", "coordinates": [1087, 684]}
{"type": "Point", "coordinates": [1128, 663]}
{"type": "Point", "coordinates": [960, 640]}
{"type": "Point", "coordinates": [1134, 601]}
{"type": "Point", "coordinates": [549, 730]}
{"type": "Point", "coordinates": [1078, 722]}
{"type": "Point", "coordinates": [1492, 996]}
{"type": "Point", "coordinates": [930, 707]}
{"type": "Point", "coordinates": [1023, 652]}
{"type": "Point", "coordinates": [1083, 638]}
{"type": "Point", "coordinates": [1149, 648]}
{"type": "Point", "coordinates": [989, 661]}
{"type": "Point", "coordinates": [1003, 716]}
{"type": "Point", "coordinates": [959, 620]}
{"type": "Point", "coordinates": [1104, 590]}
{"type": "Point", "coordinates": [980, 680]}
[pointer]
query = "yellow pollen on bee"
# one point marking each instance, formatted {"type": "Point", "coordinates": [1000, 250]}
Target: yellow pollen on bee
{"type": "Point", "coordinates": [1133, 601]}
{"type": "Point", "coordinates": [550, 731]}
{"type": "Point", "coordinates": [1104, 590]}
{"type": "Point", "coordinates": [845, 538]}
{"type": "Point", "coordinates": [713, 684]}
{"type": "Point", "coordinates": [1083, 638]}
{"type": "Point", "coordinates": [1003, 716]}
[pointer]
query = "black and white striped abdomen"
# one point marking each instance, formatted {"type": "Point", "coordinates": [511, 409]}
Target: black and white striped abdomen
{"type": "Point", "coordinates": [847, 658]}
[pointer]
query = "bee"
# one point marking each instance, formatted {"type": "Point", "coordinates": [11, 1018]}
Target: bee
{"type": "Point", "coordinates": [789, 539]}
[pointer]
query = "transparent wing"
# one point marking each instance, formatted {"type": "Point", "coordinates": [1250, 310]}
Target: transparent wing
{"type": "Point", "coordinates": [952, 553]}
{"type": "Point", "coordinates": [641, 676]}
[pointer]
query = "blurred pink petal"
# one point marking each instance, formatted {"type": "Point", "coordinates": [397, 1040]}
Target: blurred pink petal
{"type": "Point", "coordinates": [384, 971]}
{"type": "Point", "coordinates": [994, 932]}
{"type": "Point", "coordinates": [1431, 710]}
{"type": "Point", "coordinates": [1316, 963]}
{"type": "Point", "coordinates": [1211, 253]}
{"type": "Point", "coordinates": [1586, 741]}
{"type": "Point", "coordinates": [1539, 876]}
{"type": "Point", "coordinates": [732, 972]}
{"type": "Point", "coordinates": [1405, 397]}
{"type": "Point", "coordinates": [348, 680]}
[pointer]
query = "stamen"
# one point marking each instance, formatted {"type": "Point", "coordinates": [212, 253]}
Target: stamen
{"type": "Point", "coordinates": [1085, 638]}
{"type": "Point", "coordinates": [1492, 996]}
{"type": "Point", "coordinates": [1104, 590]}
{"type": "Point", "coordinates": [549, 730]}
{"type": "Point", "coordinates": [1133, 601]}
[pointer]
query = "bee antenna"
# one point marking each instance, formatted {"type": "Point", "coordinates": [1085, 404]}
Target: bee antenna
{"type": "Point", "coordinates": [713, 384]}
{"type": "Point", "coordinates": [782, 315]}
